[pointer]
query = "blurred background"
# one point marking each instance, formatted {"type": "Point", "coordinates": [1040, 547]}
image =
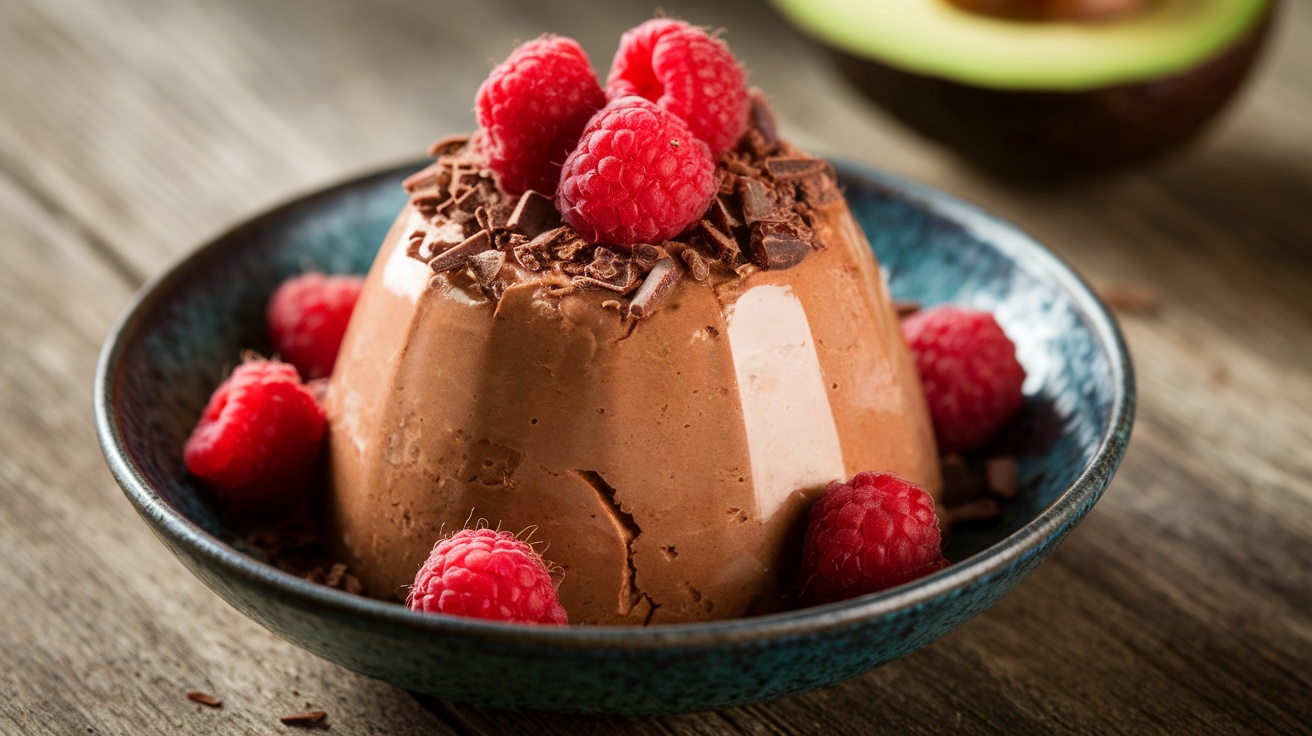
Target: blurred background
{"type": "Point", "coordinates": [132, 130]}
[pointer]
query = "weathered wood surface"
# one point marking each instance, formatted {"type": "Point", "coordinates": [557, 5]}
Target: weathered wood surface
{"type": "Point", "coordinates": [130, 130]}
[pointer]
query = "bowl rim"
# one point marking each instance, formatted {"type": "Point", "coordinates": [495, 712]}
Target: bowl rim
{"type": "Point", "coordinates": [1068, 507]}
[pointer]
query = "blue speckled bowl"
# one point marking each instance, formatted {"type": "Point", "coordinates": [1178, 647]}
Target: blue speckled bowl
{"type": "Point", "coordinates": [186, 328]}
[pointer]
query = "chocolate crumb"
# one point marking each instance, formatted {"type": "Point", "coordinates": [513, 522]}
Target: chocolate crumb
{"type": "Point", "coordinates": [605, 266]}
{"type": "Point", "coordinates": [697, 264]}
{"type": "Point", "coordinates": [456, 257]}
{"type": "Point", "coordinates": [777, 245]}
{"type": "Point", "coordinates": [307, 719]}
{"type": "Point", "coordinates": [1000, 476]}
{"type": "Point", "coordinates": [660, 282]}
{"type": "Point", "coordinates": [534, 214]}
{"type": "Point", "coordinates": [204, 698]}
{"type": "Point", "coordinates": [981, 509]}
{"type": "Point", "coordinates": [905, 307]}
{"type": "Point", "coordinates": [1131, 299]}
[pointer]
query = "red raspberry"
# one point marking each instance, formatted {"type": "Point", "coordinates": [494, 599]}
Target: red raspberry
{"type": "Point", "coordinates": [872, 533]}
{"type": "Point", "coordinates": [638, 176]}
{"type": "Point", "coordinates": [258, 440]}
{"type": "Point", "coordinates": [970, 373]}
{"type": "Point", "coordinates": [307, 317]}
{"type": "Point", "coordinates": [689, 73]}
{"type": "Point", "coordinates": [487, 574]}
{"type": "Point", "coordinates": [533, 107]}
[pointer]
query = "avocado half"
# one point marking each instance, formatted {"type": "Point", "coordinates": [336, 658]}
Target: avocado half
{"type": "Point", "coordinates": [1043, 97]}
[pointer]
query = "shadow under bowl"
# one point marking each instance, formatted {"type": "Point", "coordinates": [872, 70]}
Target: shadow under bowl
{"type": "Point", "coordinates": [185, 329]}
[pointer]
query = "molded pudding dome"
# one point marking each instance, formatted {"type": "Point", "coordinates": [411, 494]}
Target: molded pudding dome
{"type": "Point", "coordinates": [657, 420]}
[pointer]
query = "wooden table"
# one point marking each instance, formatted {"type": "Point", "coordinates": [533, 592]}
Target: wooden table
{"type": "Point", "coordinates": [129, 131]}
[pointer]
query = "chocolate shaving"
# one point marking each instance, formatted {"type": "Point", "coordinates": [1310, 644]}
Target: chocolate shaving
{"type": "Point", "coordinates": [905, 307]}
{"type": "Point", "coordinates": [569, 249]}
{"type": "Point", "coordinates": [204, 698]}
{"type": "Point", "coordinates": [697, 264]}
{"type": "Point", "coordinates": [794, 167]}
{"type": "Point", "coordinates": [448, 144]}
{"type": "Point", "coordinates": [646, 256]}
{"type": "Point", "coordinates": [660, 282]}
{"type": "Point", "coordinates": [534, 213]}
{"type": "Point", "coordinates": [1000, 476]}
{"type": "Point", "coordinates": [756, 201]}
{"type": "Point", "coordinates": [304, 720]}
{"type": "Point", "coordinates": [606, 265]}
{"type": "Point", "coordinates": [1131, 299]}
{"type": "Point", "coordinates": [725, 247]}
{"type": "Point", "coordinates": [762, 118]}
{"type": "Point", "coordinates": [456, 257]}
{"type": "Point", "coordinates": [777, 245]}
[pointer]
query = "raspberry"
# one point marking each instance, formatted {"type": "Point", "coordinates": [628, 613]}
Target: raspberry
{"type": "Point", "coordinates": [533, 107]}
{"type": "Point", "coordinates": [687, 72]}
{"type": "Point", "coordinates": [307, 317]}
{"type": "Point", "coordinates": [970, 373]}
{"type": "Point", "coordinates": [487, 574]}
{"type": "Point", "coordinates": [258, 440]}
{"type": "Point", "coordinates": [638, 176]}
{"type": "Point", "coordinates": [872, 533]}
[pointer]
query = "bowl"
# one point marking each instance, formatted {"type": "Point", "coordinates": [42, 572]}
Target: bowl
{"type": "Point", "coordinates": [186, 328]}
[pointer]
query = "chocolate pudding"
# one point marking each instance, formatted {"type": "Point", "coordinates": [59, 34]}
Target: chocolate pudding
{"type": "Point", "coordinates": [657, 420]}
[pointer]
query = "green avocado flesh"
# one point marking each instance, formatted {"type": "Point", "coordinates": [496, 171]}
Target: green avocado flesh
{"type": "Point", "coordinates": [935, 38]}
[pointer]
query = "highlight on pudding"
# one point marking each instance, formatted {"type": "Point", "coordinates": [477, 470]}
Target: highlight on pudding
{"type": "Point", "coordinates": [624, 358]}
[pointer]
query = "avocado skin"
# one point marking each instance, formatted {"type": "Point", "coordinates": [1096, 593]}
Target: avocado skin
{"type": "Point", "coordinates": [1031, 133]}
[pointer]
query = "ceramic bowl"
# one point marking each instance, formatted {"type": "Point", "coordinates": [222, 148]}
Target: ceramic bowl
{"type": "Point", "coordinates": [187, 327]}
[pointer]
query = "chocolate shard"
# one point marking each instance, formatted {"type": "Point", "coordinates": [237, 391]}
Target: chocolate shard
{"type": "Point", "coordinates": [726, 248]}
{"type": "Point", "coordinates": [1000, 476]}
{"type": "Point", "coordinates": [723, 215]}
{"type": "Point", "coordinates": [204, 698]}
{"type": "Point", "coordinates": [762, 118]}
{"type": "Point", "coordinates": [658, 284]}
{"type": "Point", "coordinates": [486, 267]}
{"type": "Point", "coordinates": [429, 197]}
{"type": "Point", "coordinates": [794, 167]}
{"type": "Point", "coordinates": [959, 484]}
{"type": "Point", "coordinates": [456, 257]}
{"type": "Point", "coordinates": [534, 214]}
{"type": "Point", "coordinates": [757, 203]}
{"type": "Point", "coordinates": [697, 264]}
{"type": "Point", "coordinates": [981, 509]}
{"type": "Point", "coordinates": [436, 174]}
{"type": "Point", "coordinates": [437, 240]}
{"type": "Point", "coordinates": [449, 144]}
{"type": "Point", "coordinates": [777, 245]}
{"type": "Point", "coordinates": [820, 188]}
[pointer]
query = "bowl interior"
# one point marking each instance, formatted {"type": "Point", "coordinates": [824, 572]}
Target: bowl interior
{"type": "Point", "coordinates": [189, 327]}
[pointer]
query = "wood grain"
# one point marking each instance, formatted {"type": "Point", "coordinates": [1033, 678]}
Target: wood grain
{"type": "Point", "coordinates": [129, 131]}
